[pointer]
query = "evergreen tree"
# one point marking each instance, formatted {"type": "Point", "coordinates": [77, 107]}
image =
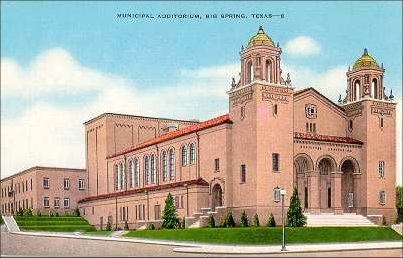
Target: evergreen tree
{"type": "Point", "coordinates": [295, 217]}
{"type": "Point", "coordinates": [271, 222]}
{"type": "Point", "coordinates": [244, 219]}
{"type": "Point", "coordinates": [169, 219]}
{"type": "Point", "coordinates": [256, 222]}
{"type": "Point", "coordinates": [399, 204]}
{"type": "Point", "coordinates": [229, 222]}
{"type": "Point", "coordinates": [211, 221]}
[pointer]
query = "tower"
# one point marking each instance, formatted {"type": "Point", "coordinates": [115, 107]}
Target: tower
{"type": "Point", "coordinates": [371, 118]}
{"type": "Point", "coordinates": [261, 108]}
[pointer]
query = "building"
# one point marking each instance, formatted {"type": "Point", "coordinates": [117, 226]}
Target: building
{"type": "Point", "coordinates": [44, 190]}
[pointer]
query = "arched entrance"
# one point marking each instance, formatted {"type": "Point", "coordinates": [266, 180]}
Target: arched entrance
{"type": "Point", "coordinates": [349, 190]}
{"type": "Point", "coordinates": [216, 193]}
{"type": "Point", "coordinates": [303, 165]}
{"type": "Point", "coordinates": [325, 166]}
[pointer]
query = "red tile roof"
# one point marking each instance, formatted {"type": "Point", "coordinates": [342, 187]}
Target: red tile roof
{"type": "Point", "coordinates": [174, 134]}
{"type": "Point", "coordinates": [326, 138]}
{"type": "Point", "coordinates": [199, 181]}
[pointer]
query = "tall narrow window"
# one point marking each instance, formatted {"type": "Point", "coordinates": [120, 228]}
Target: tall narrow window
{"type": "Point", "coordinates": [350, 125]}
{"type": "Point", "coordinates": [249, 69]}
{"type": "Point", "coordinates": [381, 122]}
{"type": "Point", "coordinates": [275, 161]}
{"type": "Point", "coordinates": [46, 182]}
{"type": "Point", "coordinates": [147, 169]}
{"type": "Point", "coordinates": [382, 197]}
{"type": "Point", "coordinates": [136, 172]}
{"type": "Point", "coordinates": [268, 71]}
{"type": "Point", "coordinates": [307, 126]}
{"type": "Point", "coordinates": [275, 109]}
{"type": "Point", "coordinates": [153, 169]}
{"type": "Point", "coordinates": [192, 155]}
{"type": "Point", "coordinates": [357, 90]}
{"type": "Point", "coordinates": [81, 184]}
{"type": "Point", "coordinates": [243, 173]}
{"type": "Point", "coordinates": [374, 89]}
{"type": "Point", "coordinates": [122, 176]}
{"type": "Point", "coordinates": [66, 183]}
{"type": "Point", "coordinates": [314, 127]}
{"type": "Point", "coordinates": [131, 172]}
{"type": "Point", "coordinates": [276, 194]}
{"type": "Point", "coordinates": [381, 169]}
{"type": "Point", "coordinates": [116, 174]}
{"type": "Point", "coordinates": [164, 166]}
{"type": "Point", "coordinates": [66, 203]}
{"type": "Point", "coordinates": [57, 202]}
{"type": "Point", "coordinates": [184, 155]}
{"type": "Point", "coordinates": [217, 164]}
{"type": "Point", "coordinates": [46, 202]}
{"type": "Point", "coordinates": [171, 163]}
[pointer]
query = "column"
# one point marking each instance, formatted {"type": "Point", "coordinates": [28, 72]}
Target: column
{"type": "Point", "coordinates": [314, 192]}
{"type": "Point", "coordinates": [357, 192]}
{"type": "Point", "coordinates": [336, 192]}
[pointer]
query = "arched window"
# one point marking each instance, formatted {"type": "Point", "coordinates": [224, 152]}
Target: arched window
{"type": "Point", "coordinates": [184, 152]}
{"type": "Point", "coordinates": [122, 175]}
{"type": "Point", "coordinates": [268, 71]}
{"type": "Point", "coordinates": [164, 165]}
{"type": "Point", "coordinates": [153, 169]}
{"type": "Point", "coordinates": [249, 70]}
{"type": "Point", "coordinates": [357, 90]}
{"type": "Point", "coordinates": [131, 172]}
{"type": "Point", "coordinates": [171, 163]}
{"type": "Point", "coordinates": [374, 89]}
{"type": "Point", "coordinates": [136, 172]}
{"type": "Point", "coordinates": [116, 177]}
{"type": "Point", "coordinates": [192, 154]}
{"type": "Point", "coordinates": [147, 169]}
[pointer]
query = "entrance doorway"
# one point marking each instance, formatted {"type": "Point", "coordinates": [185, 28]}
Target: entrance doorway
{"type": "Point", "coordinates": [325, 167]}
{"type": "Point", "coordinates": [348, 191]}
{"type": "Point", "coordinates": [216, 196]}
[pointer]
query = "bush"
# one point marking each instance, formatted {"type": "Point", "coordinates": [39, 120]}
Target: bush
{"type": "Point", "coordinates": [169, 219]}
{"type": "Point", "coordinates": [295, 217]}
{"type": "Point", "coordinates": [76, 212]}
{"type": "Point", "coordinates": [228, 221]}
{"type": "Point", "coordinates": [20, 212]}
{"type": "Point", "coordinates": [256, 222]}
{"type": "Point", "coordinates": [126, 227]}
{"type": "Point", "coordinates": [399, 217]}
{"type": "Point", "coordinates": [151, 227]}
{"type": "Point", "coordinates": [28, 213]}
{"type": "Point", "coordinates": [244, 220]}
{"type": "Point", "coordinates": [39, 214]}
{"type": "Point", "coordinates": [211, 221]}
{"type": "Point", "coordinates": [67, 214]}
{"type": "Point", "coordinates": [271, 222]}
{"type": "Point", "coordinates": [50, 214]}
{"type": "Point", "coordinates": [108, 226]}
{"type": "Point", "coordinates": [57, 214]}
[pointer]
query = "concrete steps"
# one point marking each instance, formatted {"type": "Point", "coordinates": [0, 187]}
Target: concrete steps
{"type": "Point", "coordinates": [339, 220]}
{"type": "Point", "coordinates": [11, 224]}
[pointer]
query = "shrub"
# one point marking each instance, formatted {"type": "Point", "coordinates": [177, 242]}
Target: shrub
{"type": "Point", "coordinates": [295, 217]}
{"type": "Point", "coordinates": [126, 227]}
{"type": "Point", "coordinates": [20, 212]}
{"type": "Point", "coordinates": [271, 222]}
{"type": "Point", "coordinates": [28, 213]}
{"type": "Point", "coordinates": [228, 221]}
{"type": "Point", "coordinates": [76, 212]}
{"type": "Point", "coordinates": [151, 227]}
{"type": "Point", "coordinates": [39, 214]}
{"type": "Point", "coordinates": [211, 221]}
{"type": "Point", "coordinates": [256, 222]}
{"type": "Point", "coordinates": [399, 217]}
{"type": "Point", "coordinates": [108, 226]}
{"type": "Point", "coordinates": [57, 214]}
{"type": "Point", "coordinates": [183, 222]}
{"type": "Point", "coordinates": [50, 214]}
{"type": "Point", "coordinates": [169, 219]}
{"type": "Point", "coordinates": [244, 220]}
{"type": "Point", "coordinates": [66, 214]}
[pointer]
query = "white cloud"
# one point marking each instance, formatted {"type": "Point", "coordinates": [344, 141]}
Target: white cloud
{"type": "Point", "coordinates": [302, 46]}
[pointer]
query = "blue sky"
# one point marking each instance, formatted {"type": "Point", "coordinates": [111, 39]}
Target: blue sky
{"type": "Point", "coordinates": [163, 67]}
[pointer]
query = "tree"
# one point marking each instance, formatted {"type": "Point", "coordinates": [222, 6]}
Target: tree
{"type": "Point", "coordinates": [256, 222]}
{"type": "Point", "coordinates": [271, 222]}
{"type": "Point", "coordinates": [76, 212]}
{"type": "Point", "coordinates": [169, 218]}
{"type": "Point", "coordinates": [399, 204]}
{"type": "Point", "coordinates": [295, 217]}
{"type": "Point", "coordinates": [211, 221]}
{"type": "Point", "coordinates": [244, 219]}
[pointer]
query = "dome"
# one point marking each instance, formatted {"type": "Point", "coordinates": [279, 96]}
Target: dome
{"type": "Point", "coordinates": [261, 38]}
{"type": "Point", "coordinates": [365, 61]}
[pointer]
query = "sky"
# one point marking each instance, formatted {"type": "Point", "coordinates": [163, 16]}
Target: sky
{"type": "Point", "coordinates": [63, 63]}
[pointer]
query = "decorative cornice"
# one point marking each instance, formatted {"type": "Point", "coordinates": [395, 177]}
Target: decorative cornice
{"type": "Point", "coordinates": [326, 138]}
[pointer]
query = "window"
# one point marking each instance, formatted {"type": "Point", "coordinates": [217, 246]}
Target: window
{"type": "Point", "coordinates": [26, 185]}
{"type": "Point", "coordinates": [136, 172]}
{"type": "Point", "coordinates": [176, 200]}
{"type": "Point", "coordinates": [81, 184]}
{"type": "Point", "coordinates": [381, 169]}
{"type": "Point", "coordinates": [276, 194]}
{"type": "Point", "coordinates": [217, 164]}
{"type": "Point", "coordinates": [310, 111]}
{"type": "Point", "coordinates": [57, 202]}
{"type": "Point", "coordinates": [131, 171]}
{"type": "Point", "coordinates": [157, 212]}
{"type": "Point", "coordinates": [182, 201]}
{"type": "Point", "coordinates": [184, 155]}
{"type": "Point", "coordinates": [147, 169]}
{"type": "Point", "coordinates": [350, 125]}
{"type": "Point", "coordinates": [116, 177]}
{"type": "Point", "coordinates": [164, 165]}
{"type": "Point", "coordinates": [275, 109]}
{"type": "Point", "coordinates": [171, 163]}
{"type": "Point", "coordinates": [243, 173]}
{"type": "Point", "coordinates": [66, 184]}
{"type": "Point", "coordinates": [153, 169]}
{"type": "Point", "coordinates": [192, 153]}
{"type": "Point", "coordinates": [275, 161]}
{"type": "Point", "coordinates": [45, 182]}
{"type": "Point", "coordinates": [31, 184]}
{"type": "Point", "coordinates": [66, 203]}
{"type": "Point", "coordinates": [381, 122]}
{"type": "Point", "coordinates": [46, 202]}
{"type": "Point", "coordinates": [382, 197]}
{"type": "Point", "coordinates": [122, 175]}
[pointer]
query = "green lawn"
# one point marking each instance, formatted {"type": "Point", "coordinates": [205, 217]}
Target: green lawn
{"type": "Point", "coordinates": [264, 235]}
{"type": "Point", "coordinates": [58, 224]}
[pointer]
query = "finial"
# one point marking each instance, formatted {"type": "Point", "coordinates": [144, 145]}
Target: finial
{"type": "Point", "coordinates": [233, 84]}
{"type": "Point", "coordinates": [278, 44]}
{"type": "Point", "coordinates": [260, 27]}
{"type": "Point", "coordinates": [349, 68]}
{"type": "Point", "coordinates": [340, 100]}
{"type": "Point", "coordinates": [242, 47]}
{"type": "Point", "coordinates": [391, 97]}
{"type": "Point", "coordinates": [288, 81]}
{"type": "Point", "coordinates": [382, 65]}
{"type": "Point", "coordinates": [365, 51]}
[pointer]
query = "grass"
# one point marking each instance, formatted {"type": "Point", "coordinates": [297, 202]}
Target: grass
{"type": "Point", "coordinates": [263, 235]}
{"type": "Point", "coordinates": [57, 224]}
{"type": "Point", "coordinates": [98, 233]}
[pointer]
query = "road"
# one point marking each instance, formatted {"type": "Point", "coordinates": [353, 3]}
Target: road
{"type": "Point", "coordinates": [13, 244]}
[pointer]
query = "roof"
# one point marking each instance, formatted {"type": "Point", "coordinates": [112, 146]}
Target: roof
{"type": "Point", "coordinates": [199, 181]}
{"type": "Point", "coordinates": [321, 95]}
{"type": "Point", "coordinates": [141, 117]}
{"type": "Point", "coordinates": [44, 168]}
{"type": "Point", "coordinates": [261, 38]}
{"type": "Point", "coordinates": [365, 61]}
{"type": "Point", "coordinates": [326, 138]}
{"type": "Point", "coordinates": [177, 133]}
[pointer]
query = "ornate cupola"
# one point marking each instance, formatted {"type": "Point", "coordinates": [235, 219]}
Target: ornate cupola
{"type": "Point", "coordinates": [365, 80]}
{"type": "Point", "coordinates": [260, 60]}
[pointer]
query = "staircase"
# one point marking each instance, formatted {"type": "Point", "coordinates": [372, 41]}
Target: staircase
{"type": "Point", "coordinates": [11, 224]}
{"type": "Point", "coordinates": [339, 220]}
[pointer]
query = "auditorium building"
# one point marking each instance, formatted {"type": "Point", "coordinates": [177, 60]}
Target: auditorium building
{"type": "Point", "coordinates": [340, 156]}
